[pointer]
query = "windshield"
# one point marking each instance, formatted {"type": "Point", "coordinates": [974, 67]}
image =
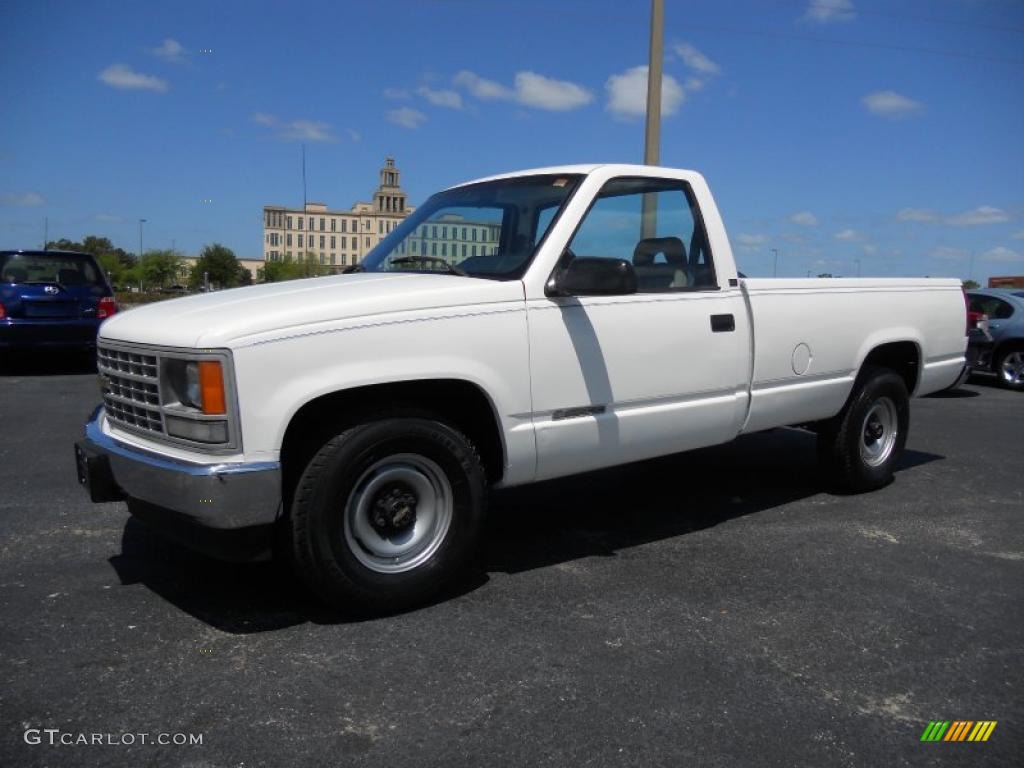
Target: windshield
{"type": "Point", "coordinates": [489, 229]}
{"type": "Point", "coordinates": [62, 268]}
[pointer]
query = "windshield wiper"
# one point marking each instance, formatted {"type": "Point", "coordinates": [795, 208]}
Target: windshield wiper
{"type": "Point", "coordinates": [450, 268]}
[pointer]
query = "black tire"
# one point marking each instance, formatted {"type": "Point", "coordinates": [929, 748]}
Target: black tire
{"type": "Point", "coordinates": [1007, 368]}
{"type": "Point", "coordinates": [852, 453]}
{"type": "Point", "coordinates": [397, 467]}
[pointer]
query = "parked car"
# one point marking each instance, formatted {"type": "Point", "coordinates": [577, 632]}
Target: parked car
{"type": "Point", "coordinates": [52, 299]}
{"type": "Point", "coordinates": [510, 330]}
{"type": "Point", "coordinates": [1000, 349]}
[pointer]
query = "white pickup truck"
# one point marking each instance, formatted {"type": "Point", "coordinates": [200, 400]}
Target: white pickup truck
{"type": "Point", "coordinates": [512, 329]}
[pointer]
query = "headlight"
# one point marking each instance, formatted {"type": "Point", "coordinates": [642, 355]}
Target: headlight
{"type": "Point", "coordinates": [192, 394]}
{"type": "Point", "coordinates": [195, 400]}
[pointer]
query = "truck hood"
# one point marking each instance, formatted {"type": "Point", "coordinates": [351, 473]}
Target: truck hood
{"type": "Point", "coordinates": [227, 318]}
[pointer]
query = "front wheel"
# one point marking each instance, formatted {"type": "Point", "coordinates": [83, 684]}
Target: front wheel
{"type": "Point", "coordinates": [387, 513]}
{"type": "Point", "coordinates": [859, 448]}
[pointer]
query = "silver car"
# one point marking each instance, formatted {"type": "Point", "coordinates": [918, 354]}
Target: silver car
{"type": "Point", "coordinates": [1004, 354]}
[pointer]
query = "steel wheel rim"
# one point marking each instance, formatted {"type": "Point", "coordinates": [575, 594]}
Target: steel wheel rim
{"type": "Point", "coordinates": [397, 551]}
{"type": "Point", "coordinates": [1012, 368]}
{"type": "Point", "coordinates": [878, 433]}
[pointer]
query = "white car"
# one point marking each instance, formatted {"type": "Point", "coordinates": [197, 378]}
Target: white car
{"type": "Point", "coordinates": [512, 329]}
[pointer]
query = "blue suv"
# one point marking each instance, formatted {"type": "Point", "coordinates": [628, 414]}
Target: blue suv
{"type": "Point", "coordinates": [52, 299]}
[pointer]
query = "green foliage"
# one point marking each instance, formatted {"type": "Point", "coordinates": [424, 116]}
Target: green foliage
{"type": "Point", "coordinates": [289, 269]}
{"type": "Point", "coordinates": [969, 284]}
{"type": "Point", "coordinates": [218, 262]}
{"type": "Point", "coordinates": [116, 262]}
{"type": "Point", "coordinates": [159, 268]}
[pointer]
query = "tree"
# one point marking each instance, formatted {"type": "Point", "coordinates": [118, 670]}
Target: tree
{"type": "Point", "coordinates": [217, 262]}
{"type": "Point", "coordinates": [969, 284]}
{"type": "Point", "coordinates": [289, 269]}
{"type": "Point", "coordinates": [159, 268]}
{"type": "Point", "coordinates": [99, 247]}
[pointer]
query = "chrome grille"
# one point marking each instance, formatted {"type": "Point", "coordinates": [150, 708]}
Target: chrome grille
{"type": "Point", "coordinates": [131, 387]}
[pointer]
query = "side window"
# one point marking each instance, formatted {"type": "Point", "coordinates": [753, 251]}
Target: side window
{"type": "Point", "coordinates": [655, 225]}
{"type": "Point", "coordinates": [996, 309]}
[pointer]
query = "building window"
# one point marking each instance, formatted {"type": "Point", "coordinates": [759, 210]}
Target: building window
{"type": "Point", "coordinates": [414, 246]}
{"type": "Point", "coordinates": [288, 240]}
{"type": "Point", "coordinates": [367, 242]}
{"type": "Point", "coordinates": [464, 233]}
{"type": "Point", "coordinates": [287, 254]}
{"type": "Point", "coordinates": [289, 221]}
{"type": "Point", "coordinates": [299, 222]}
{"type": "Point", "coordinates": [444, 249]}
{"type": "Point", "coordinates": [332, 241]}
{"type": "Point", "coordinates": [444, 233]}
{"type": "Point", "coordinates": [474, 234]}
{"type": "Point", "coordinates": [310, 222]}
{"type": "Point", "coordinates": [434, 233]}
{"type": "Point", "coordinates": [322, 225]}
{"type": "Point", "coordinates": [463, 250]}
{"type": "Point", "coordinates": [433, 249]}
{"type": "Point", "coordinates": [474, 250]}
{"type": "Point", "coordinates": [332, 258]}
{"type": "Point", "coordinates": [300, 241]}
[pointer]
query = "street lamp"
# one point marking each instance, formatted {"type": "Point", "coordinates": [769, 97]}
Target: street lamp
{"type": "Point", "coordinates": [141, 222]}
{"type": "Point", "coordinates": [857, 262]}
{"type": "Point", "coordinates": [775, 266]}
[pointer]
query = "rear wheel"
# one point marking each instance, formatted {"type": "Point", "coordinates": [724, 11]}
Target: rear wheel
{"type": "Point", "coordinates": [1010, 367]}
{"type": "Point", "coordinates": [387, 513]}
{"type": "Point", "coordinates": [859, 448]}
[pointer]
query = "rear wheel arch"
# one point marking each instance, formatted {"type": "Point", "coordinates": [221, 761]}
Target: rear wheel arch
{"type": "Point", "coordinates": [901, 357]}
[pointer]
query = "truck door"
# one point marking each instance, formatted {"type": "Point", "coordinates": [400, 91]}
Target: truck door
{"type": "Point", "coordinates": [622, 378]}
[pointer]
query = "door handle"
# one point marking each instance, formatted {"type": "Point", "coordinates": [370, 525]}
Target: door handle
{"type": "Point", "coordinates": [723, 323]}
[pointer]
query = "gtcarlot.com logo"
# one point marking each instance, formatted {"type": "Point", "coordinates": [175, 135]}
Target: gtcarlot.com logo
{"type": "Point", "coordinates": [55, 737]}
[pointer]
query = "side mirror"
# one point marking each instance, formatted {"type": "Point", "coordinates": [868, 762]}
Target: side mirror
{"type": "Point", "coordinates": [587, 276]}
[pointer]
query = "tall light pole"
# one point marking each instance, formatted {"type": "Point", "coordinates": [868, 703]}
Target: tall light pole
{"type": "Point", "coordinates": [775, 265]}
{"type": "Point", "coordinates": [857, 261]}
{"type": "Point", "coordinates": [652, 130]}
{"type": "Point", "coordinates": [652, 134]}
{"type": "Point", "coordinates": [141, 222]}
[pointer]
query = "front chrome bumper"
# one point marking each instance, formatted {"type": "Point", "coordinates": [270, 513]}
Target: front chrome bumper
{"type": "Point", "coordinates": [188, 496]}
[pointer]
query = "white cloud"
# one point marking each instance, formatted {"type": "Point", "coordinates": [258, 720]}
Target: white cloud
{"type": "Point", "coordinates": [533, 90]}
{"type": "Point", "coordinates": [945, 253]}
{"type": "Point", "coordinates": [1018, 235]}
{"type": "Point", "coordinates": [627, 93]}
{"type": "Point", "coordinates": [123, 76]}
{"type": "Point", "coordinates": [869, 250]}
{"type": "Point", "coordinates": [397, 94]}
{"type": "Point", "coordinates": [696, 60]}
{"type": "Point", "coordinates": [307, 130]}
{"type": "Point", "coordinates": [1001, 253]}
{"type": "Point", "coordinates": [849, 236]}
{"type": "Point", "coordinates": [28, 199]}
{"type": "Point", "coordinates": [485, 90]}
{"type": "Point", "coordinates": [407, 117]}
{"type": "Point", "coordinates": [983, 214]}
{"type": "Point", "coordinates": [354, 135]}
{"type": "Point", "coordinates": [296, 130]}
{"type": "Point", "coordinates": [891, 105]}
{"type": "Point", "coordinates": [916, 214]}
{"type": "Point", "coordinates": [441, 98]}
{"type": "Point", "coordinates": [829, 11]}
{"type": "Point", "coordinates": [530, 90]}
{"type": "Point", "coordinates": [804, 219]}
{"type": "Point", "coordinates": [751, 241]}
{"type": "Point", "coordinates": [109, 217]}
{"type": "Point", "coordinates": [170, 50]}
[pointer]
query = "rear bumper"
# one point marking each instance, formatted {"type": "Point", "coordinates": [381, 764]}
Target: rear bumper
{"type": "Point", "coordinates": [22, 333]}
{"type": "Point", "coordinates": [225, 510]}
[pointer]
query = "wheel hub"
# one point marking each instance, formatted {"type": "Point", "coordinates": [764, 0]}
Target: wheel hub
{"type": "Point", "coordinates": [874, 431]}
{"type": "Point", "coordinates": [393, 510]}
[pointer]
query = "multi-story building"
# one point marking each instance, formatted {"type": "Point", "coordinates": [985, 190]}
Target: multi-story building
{"type": "Point", "coordinates": [337, 238]}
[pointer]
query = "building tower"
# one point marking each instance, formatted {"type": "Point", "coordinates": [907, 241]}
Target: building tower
{"type": "Point", "coordinates": [389, 197]}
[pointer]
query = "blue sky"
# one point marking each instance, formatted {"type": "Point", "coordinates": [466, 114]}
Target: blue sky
{"type": "Point", "coordinates": [834, 130]}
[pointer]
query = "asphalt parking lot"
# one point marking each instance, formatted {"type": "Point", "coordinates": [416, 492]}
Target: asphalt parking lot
{"type": "Point", "coordinates": [715, 608]}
